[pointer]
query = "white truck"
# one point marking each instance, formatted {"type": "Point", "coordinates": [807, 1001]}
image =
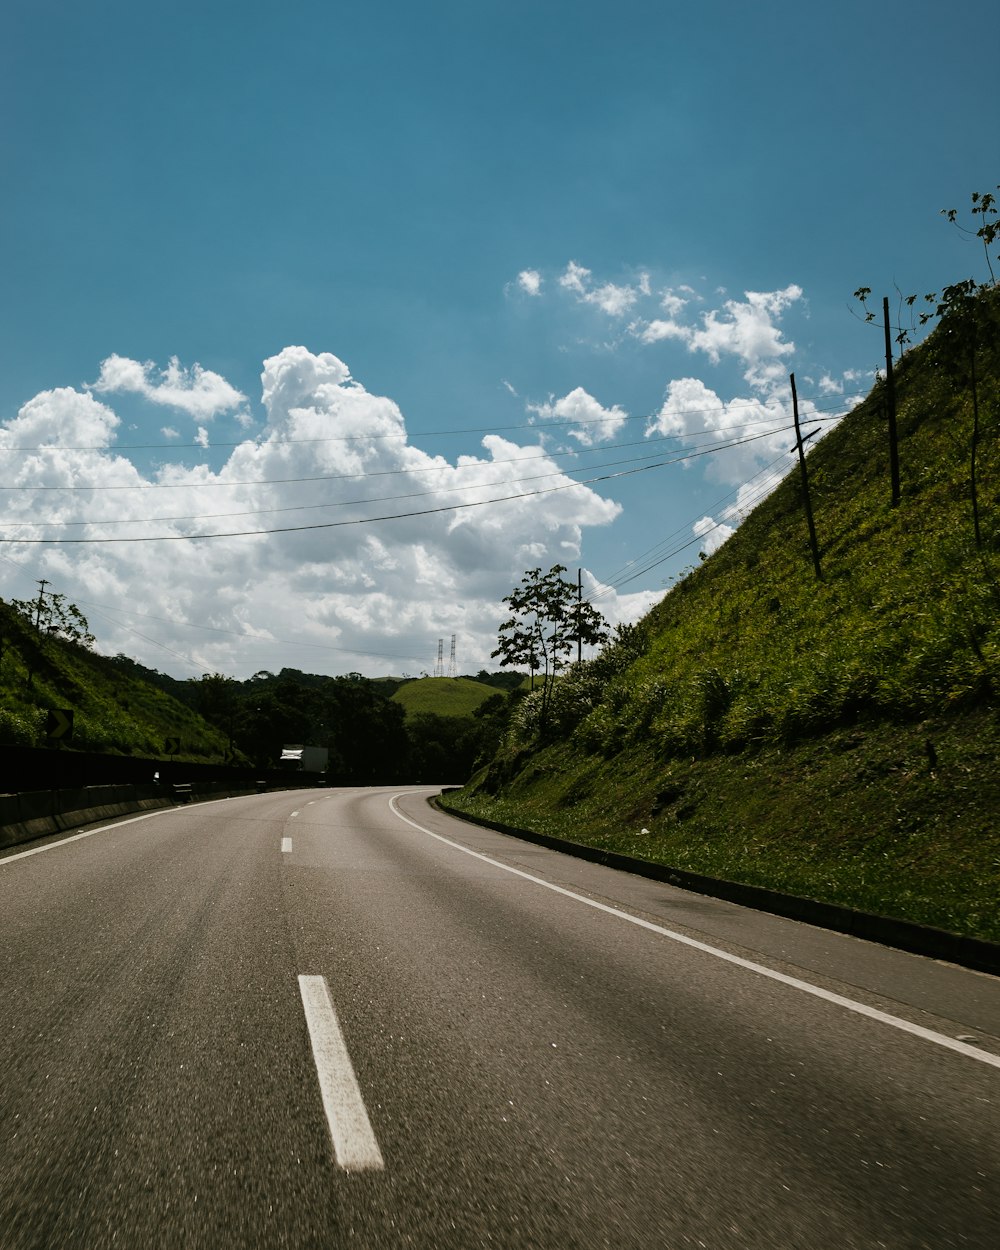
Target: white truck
{"type": "Point", "coordinates": [306, 759]}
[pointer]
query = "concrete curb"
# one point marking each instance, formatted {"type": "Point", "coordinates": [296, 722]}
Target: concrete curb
{"type": "Point", "coordinates": [904, 935]}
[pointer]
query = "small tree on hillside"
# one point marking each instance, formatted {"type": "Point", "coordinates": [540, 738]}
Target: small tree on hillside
{"type": "Point", "coordinates": [548, 619]}
{"type": "Point", "coordinates": [54, 615]}
{"type": "Point", "coordinates": [960, 308]}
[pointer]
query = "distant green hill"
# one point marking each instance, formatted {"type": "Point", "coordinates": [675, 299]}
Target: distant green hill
{"type": "Point", "coordinates": [834, 737]}
{"type": "Point", "coordinates": [114, 710]}
{"type": "Point", "coordinates": [444, 696]}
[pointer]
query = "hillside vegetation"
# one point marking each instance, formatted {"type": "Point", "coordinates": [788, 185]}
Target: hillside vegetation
{"type": "Point", "coordinates": [115, 709]}
{"type": "Point", "coordinates": [836, 738]}
{"type": "Point", "coordinates": [433, 730]}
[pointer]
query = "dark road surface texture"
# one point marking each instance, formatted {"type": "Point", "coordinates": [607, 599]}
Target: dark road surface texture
{"type": "Point", "coordinates": [533, 1068]}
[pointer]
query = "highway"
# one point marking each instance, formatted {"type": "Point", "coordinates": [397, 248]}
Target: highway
{"type": "Point", "coordinates": [342, 1018]}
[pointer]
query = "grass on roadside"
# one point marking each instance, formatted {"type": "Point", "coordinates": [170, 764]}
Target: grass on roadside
{"type": "Point", "coordinates": [868, 817]}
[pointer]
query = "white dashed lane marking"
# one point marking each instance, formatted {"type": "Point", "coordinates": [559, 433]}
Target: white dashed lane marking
{"type": "Point", "coordinates": [354, 1141]}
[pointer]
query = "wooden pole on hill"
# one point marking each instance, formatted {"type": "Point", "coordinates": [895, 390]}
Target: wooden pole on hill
{"type": "Point", "coordinates": [41, 603]}
{"type": "Point", "coordinates": [579, 605]}
{"type": "Point", "coordinates": [890, 405]}
{"type": "Point", "coordinates": [813, 545]}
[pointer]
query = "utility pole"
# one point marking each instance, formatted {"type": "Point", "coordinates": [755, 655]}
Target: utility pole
{"type": "Point", "coordinates": [813, 545]}
{"type": "Point", "coordinates": [579, 606]}
{"type": "Point", "coordinates": [38, 607]}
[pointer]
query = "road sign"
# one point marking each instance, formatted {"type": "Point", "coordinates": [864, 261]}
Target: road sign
{"type": "Point", "coordinates": [172, 746]}
{"type": "Point", "coordinates": [59, 723]}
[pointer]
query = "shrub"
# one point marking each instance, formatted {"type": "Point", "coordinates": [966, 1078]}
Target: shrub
{"type": "Point", "coordinates": [20, 728]}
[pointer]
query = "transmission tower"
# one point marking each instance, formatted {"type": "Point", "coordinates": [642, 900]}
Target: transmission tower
{"type": "Point", "coordinates": [451, 663]}
{"type": "Point", "coordinates": [439, 666]}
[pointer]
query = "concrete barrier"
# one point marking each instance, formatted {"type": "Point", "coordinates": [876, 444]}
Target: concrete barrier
{"type": "Point", "coordinates": [38, 814]}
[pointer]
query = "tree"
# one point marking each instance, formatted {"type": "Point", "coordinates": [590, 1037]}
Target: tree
{"type": "Point", "coordinates": [217, 698]}
{"type": "Point", "coordinates": [548, 619]}
{"type": "Point", "coordinates": [960, 294]}
{"type": "Point", "coordinates": [53, 614]}
{"type": "Point", "coordinates": [984, 205]}
{"type": "Point", "coordinates": [959, 308]}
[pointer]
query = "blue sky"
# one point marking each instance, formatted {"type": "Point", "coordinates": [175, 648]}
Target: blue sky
{"type": "Point", "coordinates": [585, 232]}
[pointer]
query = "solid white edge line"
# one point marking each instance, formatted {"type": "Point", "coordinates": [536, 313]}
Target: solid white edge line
{"type": "Point", "coordinates": [89, 833]}
{"type": "Point", "coordinates": [353, 1139]}
{"type": "Point", "coordinates": [849, 1004]}
{"type": "Point", "coordinates": [286, 846]}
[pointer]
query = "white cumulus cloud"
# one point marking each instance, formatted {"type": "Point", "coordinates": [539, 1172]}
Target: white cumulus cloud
{"type": "Point", "coordinates": [689, 406]}
{"type": "Point", "coordinates": [713, 532]}
{"type": "Point", "coordinates": [612, 298]}
{"type": "Point", "coordinates": [197, 391]}
{"type": "Point", "coordinates": [660, 329]}
{"type": "Point", "coordinates": [745, 435]}
{"type": "Point", "coordinates": [749, 330]}
{"type": "Point", "coordinates": [673, 303]}
{"type": "Point", "coordinates": [591, 423]}
{"type": "Point", "coordinates": [344, 545]}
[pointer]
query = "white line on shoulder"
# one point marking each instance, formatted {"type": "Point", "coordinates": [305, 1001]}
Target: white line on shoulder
{"type": "Point", "coordinates": [849, 1004]}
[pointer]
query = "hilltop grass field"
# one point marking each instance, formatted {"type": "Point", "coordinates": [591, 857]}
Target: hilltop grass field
{"type": "Point", "coordinates": [835, 736]}
{"type": "Point", "coordinates": [442, 696]}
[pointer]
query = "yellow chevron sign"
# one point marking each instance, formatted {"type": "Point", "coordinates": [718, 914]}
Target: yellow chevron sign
{"type": "Point", "coordinates": [59, 723]}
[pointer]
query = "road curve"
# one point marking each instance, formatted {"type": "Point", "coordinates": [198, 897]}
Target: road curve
{"type": "Point", "coordinates": [344, 1018]}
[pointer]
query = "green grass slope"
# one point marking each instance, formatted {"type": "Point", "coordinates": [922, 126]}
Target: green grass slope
{"type": "Point", "coordinates": [114, 711]}
{"type": "Point", "coordinates": [837, 738]}
{"type": "Point", "coordinates": [443, 696]}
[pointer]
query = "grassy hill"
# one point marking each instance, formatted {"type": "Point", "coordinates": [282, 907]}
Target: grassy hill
{"type": "Point", "coordinates": [837, 737]}
{"type": "Point", "coordinates": [443, 696]}
{"type": "Point", "coordinates": [115, 711]}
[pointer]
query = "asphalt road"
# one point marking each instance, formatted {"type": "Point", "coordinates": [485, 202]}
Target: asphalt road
{"type": "Point", "coordinates": [342, 1018]}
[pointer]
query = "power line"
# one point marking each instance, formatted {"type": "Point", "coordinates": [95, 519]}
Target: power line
{"type": "Point", "coordinates": [344, 503]}
{"type": "Point", "coordinates": [833, 401]}
{"type": "Point", "coordinates": [388, 517]}
{"type": "Point", "coordinates": [613, 583]}
{"type": "Point", "coordinates": [655, 555]}
{"type": "Point", "coordinates": [542, 454]}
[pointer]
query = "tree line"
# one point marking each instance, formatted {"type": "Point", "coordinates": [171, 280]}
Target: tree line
{"type": "Point", "coordinates": [369, 737]}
